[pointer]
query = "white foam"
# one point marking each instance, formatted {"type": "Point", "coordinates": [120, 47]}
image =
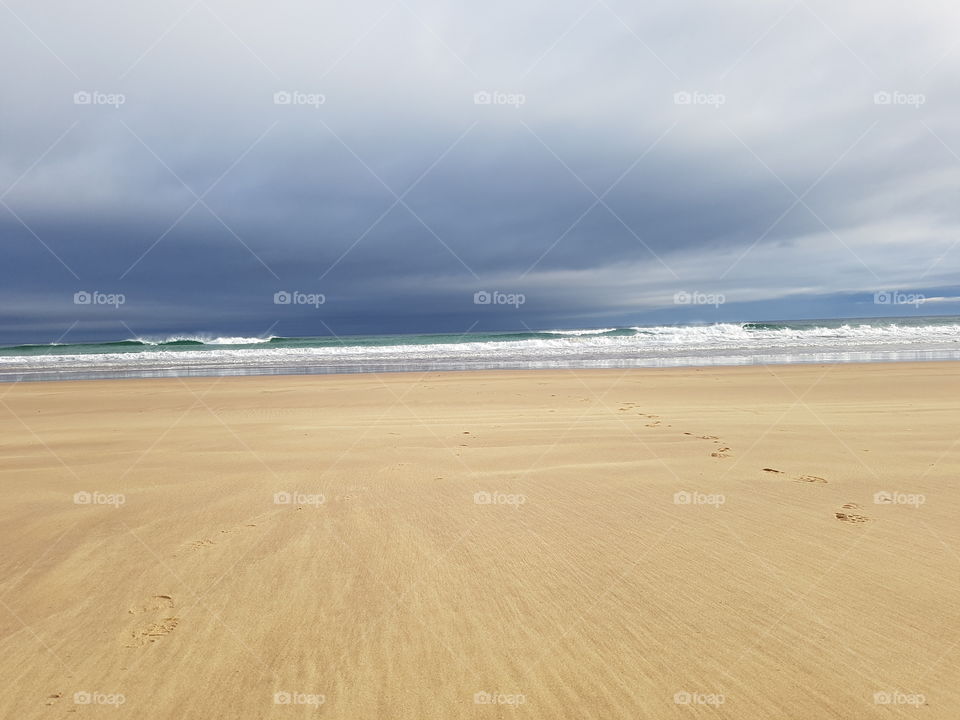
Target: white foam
{"type": "Point", "coordinates": [725, 343]}
{"type": "Point", "coordinates": [205, 339]}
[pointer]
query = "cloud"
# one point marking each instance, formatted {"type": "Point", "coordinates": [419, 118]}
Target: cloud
{"type": "Point", "coordinates": [788, 155]}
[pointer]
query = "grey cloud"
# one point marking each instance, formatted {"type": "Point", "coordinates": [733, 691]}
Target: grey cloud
{"type": "Point", "coordinates": [710, 205]}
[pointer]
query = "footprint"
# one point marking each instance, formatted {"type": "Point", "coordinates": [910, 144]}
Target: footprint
{"type": "Point", "coordinates": [708, 437]}
{"type": "Point", "coordinates": [157, 602]}
{"type": "Point", "coordinates": [809, 479]}
{"type": "Point", "coordinates": [162, 624]}
{"type": "Point", "coordinates": [150, 633]}
{"type": "Point", "coordinates": [197, 544]}
{"type": "Point", "coordinates": [721, 453]}
{"type": "Point", "coordinates": [851, 517]}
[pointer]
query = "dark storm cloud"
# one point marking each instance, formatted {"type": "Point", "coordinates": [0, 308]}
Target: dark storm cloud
{"type": "Point", "coordinates": [794, 157]}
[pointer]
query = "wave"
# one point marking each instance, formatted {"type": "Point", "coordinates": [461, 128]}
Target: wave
{"type": "Point", "coordinates": [765, 326]}
{"type": "Point", "coordinates": [661, 343]}
{"type": "Point", "coordinates": [201, 340]}
{"type": "Point", "coordinates": [577, 333]}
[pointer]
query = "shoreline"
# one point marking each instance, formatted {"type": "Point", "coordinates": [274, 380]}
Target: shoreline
{"type": "Point", "coordinates": [160, 374]}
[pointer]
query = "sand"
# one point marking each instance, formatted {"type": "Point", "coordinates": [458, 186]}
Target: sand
{"type": "Point", "coordinates": [595, 544]}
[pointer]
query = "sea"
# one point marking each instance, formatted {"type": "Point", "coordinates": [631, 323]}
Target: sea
{"type": "Point", "coordinates": [656, 346]}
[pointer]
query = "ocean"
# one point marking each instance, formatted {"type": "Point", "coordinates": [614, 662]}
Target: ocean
{"type": "Point", "coordinates": [747, 343]}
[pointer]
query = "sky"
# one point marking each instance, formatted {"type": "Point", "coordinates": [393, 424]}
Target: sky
{"type": "Point", "coordinates": [293, 168]}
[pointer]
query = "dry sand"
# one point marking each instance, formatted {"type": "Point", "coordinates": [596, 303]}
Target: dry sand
{"type": "Point", "coordinates": [586, 589]}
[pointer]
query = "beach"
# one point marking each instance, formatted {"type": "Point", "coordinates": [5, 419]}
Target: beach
{"type": "Point", "coordinates": [738, 542]}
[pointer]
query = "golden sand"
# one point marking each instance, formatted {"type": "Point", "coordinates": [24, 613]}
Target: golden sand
{"type": "Point", "coordinates": [595, 544]}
